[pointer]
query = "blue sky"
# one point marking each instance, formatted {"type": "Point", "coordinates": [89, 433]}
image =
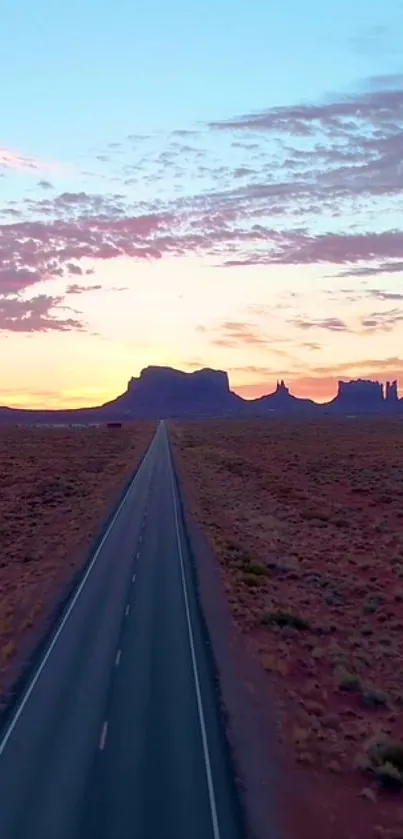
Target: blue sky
{"type": "Point", "coordinates": [146, 140]}
{"type": "Point", "coordinates": [85, 73]}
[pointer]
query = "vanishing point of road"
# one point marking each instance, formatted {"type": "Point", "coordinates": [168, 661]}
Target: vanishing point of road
{"type": "Point", "coordinates": [118, 733]}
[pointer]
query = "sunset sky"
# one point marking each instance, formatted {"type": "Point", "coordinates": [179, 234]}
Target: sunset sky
{"type": "Point", "coordinates": [215, 184]}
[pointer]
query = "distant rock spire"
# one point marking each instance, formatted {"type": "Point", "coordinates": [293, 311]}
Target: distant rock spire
{"type": "Point", "coordinates": [391, 394]}
{"type": "Point", "coordinates": [281, 387]}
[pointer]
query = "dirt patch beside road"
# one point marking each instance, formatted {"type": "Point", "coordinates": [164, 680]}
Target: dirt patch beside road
{"type": "Point", "coordinates": [56, 489]}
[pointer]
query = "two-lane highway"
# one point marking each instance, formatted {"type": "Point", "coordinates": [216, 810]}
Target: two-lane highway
{"type": "Point", "coordinates": [118, 735]}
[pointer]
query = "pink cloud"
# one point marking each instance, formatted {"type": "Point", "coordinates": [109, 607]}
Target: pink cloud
{"type": "Point", "coordinates": [36, 315]}
{"type": "Point", "coordinates": [300, 248]}
{"type": "Point", "coordinates": [34, 251]}
{"type": "Point", "coordinates": [267, 206]}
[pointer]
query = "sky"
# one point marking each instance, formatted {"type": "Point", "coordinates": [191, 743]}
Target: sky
{"type": "Point", "coordinates": [199, 185]}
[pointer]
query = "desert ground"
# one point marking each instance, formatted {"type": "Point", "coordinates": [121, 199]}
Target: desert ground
{"type": "Point", "coordinates": [306, 521]}
{"type": "Point", "coordinates": [57, 486]}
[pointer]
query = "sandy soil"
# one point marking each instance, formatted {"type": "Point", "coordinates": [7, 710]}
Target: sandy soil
{"type": "Point", "coordinates": [307, 524]}
{"type": "Point", "coordinates": [56, 489]}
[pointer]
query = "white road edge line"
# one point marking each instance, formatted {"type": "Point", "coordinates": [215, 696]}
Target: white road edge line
{"type": "Point", "coordinates": [210, 785]}
{"type": "Point", "coordinates": [118, 657]}
{"type": "Point", "coordinates": [21, 706]}
{"type": "Point", "coordinates": [102, 740]}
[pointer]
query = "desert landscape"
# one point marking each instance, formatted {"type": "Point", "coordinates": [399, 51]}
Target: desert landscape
{"type": "Point", "coordinates": [306, 520]}
{"type": "Point", "coordinates": [57, 486]}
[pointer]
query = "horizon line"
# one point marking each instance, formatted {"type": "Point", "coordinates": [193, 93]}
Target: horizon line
{"type": "Point", "coordinates": [382, 383]}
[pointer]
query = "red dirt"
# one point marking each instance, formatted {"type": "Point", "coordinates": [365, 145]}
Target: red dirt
{"type": "Point", "coordinates": [308, 519]}
{"type": "Point", "coordinates": [56, 489]}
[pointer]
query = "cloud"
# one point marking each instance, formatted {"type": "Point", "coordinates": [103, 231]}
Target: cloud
{"type": "Point", "coordinates": [73, 269]}
{"type": "Point", "coordinates": [298, 248]}
{"type": "Point", "coordinates": [382, 321]}
{"type": "Point", "coordinates": [32, 251]}
{"type": "Point", "coordinates": [379, 105]}
{"type": "Point", "coordinates": [238, 334]}
{"type": "Point", "coordinates": [253, 369]}
{"type": "Point", "coordinates": [35, 315]}
{"type": "Point", "coordinates": [384, 295]}
{"type": "Point", "coordinates": [311, 345]}
{"type": "Point", "coordinates": [93, 227]}
{"type": "Point", "coordinates": [14, 160]}
{"type": "Point", "coordinates": [233, 333]}
{"type": "Point", "coordinates": [386, 267]}
{"type": "Point", "coordinates": [373, 322]}
{"type": "Point", "coordinates": [14, 279]}
{"type": "Point", "coordinates": [74, 288]}
{"type": "Point", "coordinates": [332, 324]}
{"type": "Point", "coordinates": [374, 366]}
{"type": "Point", "coordinates": [306, 184]}
{"type": "Point", "coordinates": [45, 184]}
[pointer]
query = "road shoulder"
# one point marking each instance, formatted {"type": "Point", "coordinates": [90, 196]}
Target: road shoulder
{"type": "Point", "coordinates": [251, 736]}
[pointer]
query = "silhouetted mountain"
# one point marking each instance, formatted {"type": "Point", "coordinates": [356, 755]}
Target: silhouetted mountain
{"type": "Point", "coordinates": [162, 392]}
{"type": "Point", "coordinates": [364, 396]}
{"type": "Point", "coordinates": [282, 401]}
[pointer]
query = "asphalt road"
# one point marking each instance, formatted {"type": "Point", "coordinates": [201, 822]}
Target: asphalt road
{"type": "Point", "coordinates": [118, 734]}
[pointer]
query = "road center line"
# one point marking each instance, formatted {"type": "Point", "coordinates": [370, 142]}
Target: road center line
{"type": "Point", "coordinates": [104, 732]}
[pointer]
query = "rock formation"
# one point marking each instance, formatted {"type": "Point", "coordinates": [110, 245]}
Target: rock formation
{"type": "Point", "coordinates": [391, 394]}
{"type": "Point", "coordinates": [365, 396]}
{"type": "Point", "coordinates": [162, 392]}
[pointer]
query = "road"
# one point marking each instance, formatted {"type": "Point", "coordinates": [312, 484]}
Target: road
{"type": "Point", "coordinates": [118, 734]}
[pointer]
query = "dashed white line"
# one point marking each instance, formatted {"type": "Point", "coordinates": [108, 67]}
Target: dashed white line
{"type": "Point", "coordinates": [133, 578]}
{"type": "Point", "coordinates": [102, 740]}
{"type": "Point", "coordinates": [118, 657]}
{"type": "Point", "coordinates": [127, 610]}
{"type": "Point", "coordinates": [138, 555]}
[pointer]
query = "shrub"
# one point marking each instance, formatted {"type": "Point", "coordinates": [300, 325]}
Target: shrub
{"type": "Point", "coordinates": [383, 759]}
{"type": "Point", "coordinates": [389, 777]}
{"type": "Point", "coordinates": [257, 568]}
{"type": "Point", "coordinates": [346, 680]}
{"type": "Point", "coordinates": [283, 618]}
{"type": "Point", "coordinates": [373, 697]}
{"type": "Point", "coordinates": [250, 580]}
{"type": "Point", "coordinates": [383, 750]}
